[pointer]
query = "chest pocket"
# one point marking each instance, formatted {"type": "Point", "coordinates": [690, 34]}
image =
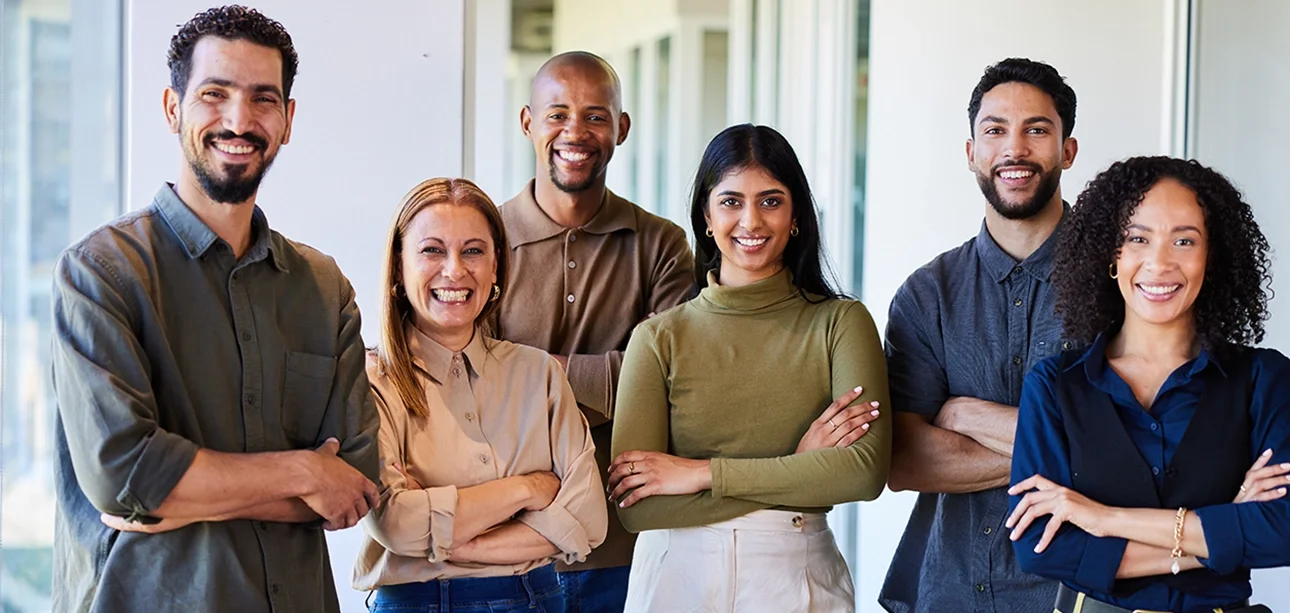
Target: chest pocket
{"type": "Point", "coordinates": [305, 391]}
{"type": "Point", "coordinates": [1046, 341]}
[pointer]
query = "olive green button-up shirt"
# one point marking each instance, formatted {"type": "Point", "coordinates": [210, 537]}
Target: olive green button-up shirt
{"type": "Point", "coordinates": [166, 343]}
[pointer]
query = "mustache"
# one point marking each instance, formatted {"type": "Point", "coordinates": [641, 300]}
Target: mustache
{"type": "Point", "coordinates": [1033, 167]}
{"type": "Point", "coordinates": [250, 137]}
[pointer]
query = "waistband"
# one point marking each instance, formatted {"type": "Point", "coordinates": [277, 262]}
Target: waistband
{"type": "Point", "coordinates": [770, 520]}
{"type": "Point", "coordinates": [466, 590]}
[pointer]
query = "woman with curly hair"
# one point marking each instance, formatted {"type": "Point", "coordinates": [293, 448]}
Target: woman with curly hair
{"type": "Point", "coordinates": [1132, 477]}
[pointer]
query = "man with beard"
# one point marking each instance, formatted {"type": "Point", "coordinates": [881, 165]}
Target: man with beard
{"type": "Point", "coordinates": [586, 266]}
{"type": "Point", "coordinates": [214, 416]}
{"type": "Point", "coordinates": [962, 333]}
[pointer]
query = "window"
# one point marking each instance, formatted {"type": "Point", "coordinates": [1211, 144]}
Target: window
{"type": "Point", "coordinates": [60, 176]}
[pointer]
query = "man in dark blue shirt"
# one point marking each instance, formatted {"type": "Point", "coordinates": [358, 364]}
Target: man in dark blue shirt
{"type": "Point", "coordinates": [962, 332]}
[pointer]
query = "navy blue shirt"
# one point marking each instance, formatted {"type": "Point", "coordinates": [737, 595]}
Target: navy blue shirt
{"type": "Point", "coordinates": [971, 322]}
{"type": "Point", "coordinates": [1249, 535]}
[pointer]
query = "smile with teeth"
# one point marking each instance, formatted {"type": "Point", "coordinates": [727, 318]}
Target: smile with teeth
{"type": "Point", "coordinates": [451, 296]}
{"type": "Point", "coordinates": [1159, 290]}
{"type": "Point", "coordinates": [234, 149]}
{"type": "Point", "coordinates": [1016, 174]}
{"type": "Point", "coordinates": [751, 242]}
{"type": "Point", "coordinates": [572, 156]}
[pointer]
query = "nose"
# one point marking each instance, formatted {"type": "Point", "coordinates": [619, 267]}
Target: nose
{"type": "Point", "coordinates": [1160, 256]}
{"type": "Point", "coordinates": [453, 267]}
{"type": "Point", "coordinates": [1016, 147]}
{"type": "Point", "coordinates": [238, 115]}
{"type": "Point", "coordinates": [575, 128]}
{"type": "Point", "coordinates": [751, 218]}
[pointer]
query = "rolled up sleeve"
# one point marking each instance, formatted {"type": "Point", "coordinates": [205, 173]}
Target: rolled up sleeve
{"type": "Point", "coordinates": [576, 521]}
{"type": "Point", "coordinates": [351, 411]}
{"type": "Point", "coordinates": [125, 463]}
{"type": "Point", "coordinates": [915, 364]}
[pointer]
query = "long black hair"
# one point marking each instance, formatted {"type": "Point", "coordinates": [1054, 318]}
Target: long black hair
{"type": "Point", "coordinates": [747, 146]}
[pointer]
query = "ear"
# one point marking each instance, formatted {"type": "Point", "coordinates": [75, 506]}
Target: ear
{"type": "Point", "coordinates": [526, 119]}
{"type": "Point", "coordinates": [969, 148]}
{"type": "Point", "coordinates": [1069, 149]}
{"type": "Point", "coordinates": [170, 106]}
{"type": "Point", "coordinates": [624, 126]}
{"type": "Point", "coordinates": [291, 113]}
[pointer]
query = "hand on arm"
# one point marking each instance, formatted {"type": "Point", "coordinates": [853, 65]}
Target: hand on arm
{"type": "Point", "coordinates": [509, 543]}
{"type": "Point", "coordinates": [635, 475]}
{"type": "Point", "coordinates": [481, 507]}
{"type": "Point", "coordinates": [929, 459]}
{"type": "Point", "coordinates": [990, 424]}
{"type": "Point", "coordinates": [840, 425]}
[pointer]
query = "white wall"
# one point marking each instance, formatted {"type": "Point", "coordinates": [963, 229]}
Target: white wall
{"type": "Point", "coordinates": [378, 109]}
{"type": "Point", "coordinates": [925, 58]}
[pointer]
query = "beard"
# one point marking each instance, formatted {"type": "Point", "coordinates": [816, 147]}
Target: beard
{"type": "Point", "coordinates": [240, 181]}
{"type": "Point", "coordinates": [597, 171]}
{"type": "Point", "coordinates": [1048, 184]}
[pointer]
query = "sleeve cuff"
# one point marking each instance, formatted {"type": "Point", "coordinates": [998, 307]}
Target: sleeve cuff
{"type": "Point", "coordinates": [558, 525]}
{"type": "Point", "coordinates": [589, 378]}
{"type": "Point", "coordinates": [717, 467]}
{"type": "Point", "coordinates": [163, 462]}
{"type": "Point", "coordinates": [442, 518]}
{"type": "Point", "coordinates": [1100, 562]}
{"type": "Point", "coordinates": [1223, 537]}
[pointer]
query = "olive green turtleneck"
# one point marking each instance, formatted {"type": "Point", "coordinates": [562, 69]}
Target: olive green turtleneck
{"type": "Point", "coordinates": [737, 375]}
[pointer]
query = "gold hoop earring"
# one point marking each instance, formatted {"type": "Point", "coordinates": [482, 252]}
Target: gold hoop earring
{"type": "Point", "coordinates": [394, 290]}
{"type": "Point", "coordinates": [1113, 271]}
{"type": "Point", "coordinates": [708, 232]}
{"type": "Point", "coordinates": [794, 231]}
{"type": "Point", "coordinates": [497, 293]}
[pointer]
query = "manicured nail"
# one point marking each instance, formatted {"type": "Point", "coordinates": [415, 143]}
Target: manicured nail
{"type": "Point", "coordinates": [858, 389]}
{"type": "Point", "coordinates": [1267, 452]}
{"type": "Point", "coordinates": [1281, 491]}
{"type": "Point", "coordinates": [864, 426]}
{"type": "Point", "coordinates": [1285, 466]}
{"type": "Point", "coordinates": [874, 412]}
{"type": "Point", "coordinates": [874, 404]}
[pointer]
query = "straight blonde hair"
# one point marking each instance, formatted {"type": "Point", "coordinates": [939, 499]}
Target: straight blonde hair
{"type": "Point", "coordinates": [395, 359]}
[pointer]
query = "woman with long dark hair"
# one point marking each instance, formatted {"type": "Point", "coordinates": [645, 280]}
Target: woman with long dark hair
{"type": "Point", "coordinates": [1148, 469]}
{"type": "Point", "coordinates": [724, 424]}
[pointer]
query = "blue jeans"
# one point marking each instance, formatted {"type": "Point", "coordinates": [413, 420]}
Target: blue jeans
{"type": "Point", "coordinates": [599, 590]}
{"type": "Point", "coordinates": [537, 591]}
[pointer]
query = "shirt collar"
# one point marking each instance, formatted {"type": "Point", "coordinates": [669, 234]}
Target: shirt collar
{"type": "Point", "coordinates": [1038, 265]}
{"type": "Point", "coordinates": [197, 237]}
{"type": "Point", "coordinates": [435, 359]}
{"type": "Point", "coordinates": [526, 222]}
{"type": "Point", "coordinates": [1095, 364]}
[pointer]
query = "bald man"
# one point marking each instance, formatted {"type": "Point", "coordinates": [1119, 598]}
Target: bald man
{"type": "Point", "coordinates": [586, 266]}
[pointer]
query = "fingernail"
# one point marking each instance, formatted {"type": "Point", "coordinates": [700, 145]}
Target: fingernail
{"type": "Point", "coordinates": [874, 404]}
{"type": "Point", "coordinates": [858, 389]}
{"type": "Point", "coordinates": [1285, 465]}
{"type": "Point", "coordinates": [1267, 452]}
{"type": "Point", "coordinates": [874, 412]}
{"type": "Point", "coordinates": [1281, 491]}
{"type": "Point", "coordinates": [864, 426]}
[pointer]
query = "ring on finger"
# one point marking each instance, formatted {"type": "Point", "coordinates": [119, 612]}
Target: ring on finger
{"type": "Point", "coordinates": [1243, 488]}
{"type": "Point", "coordinates": [631, 467]}
{"type": "Point", "coordinates": [835, 426]}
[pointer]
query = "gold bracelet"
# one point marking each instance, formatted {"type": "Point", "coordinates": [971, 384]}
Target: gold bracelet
{"type": "Point", "coordinates": [1176, 554]}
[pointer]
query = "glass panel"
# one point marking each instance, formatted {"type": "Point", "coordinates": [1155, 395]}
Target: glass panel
{"type": "Point", "coordinates": [861, 138]}
{"type": "Point", "coordinates": [716, 51]}
{"type": "Point", "coordinates": [662, 118]}
{"type": "Point", "coordinates": [60, 166]}
{"type": "Point", "coordinates": [632, 105]}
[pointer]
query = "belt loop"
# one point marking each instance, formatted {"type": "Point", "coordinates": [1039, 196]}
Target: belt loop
{"type": "Point", "coordinates": [1079, 603]}
{"type": "Point", "coordinates": [445, 597]}
{"type": "Point", "coordinates": [528, 587]}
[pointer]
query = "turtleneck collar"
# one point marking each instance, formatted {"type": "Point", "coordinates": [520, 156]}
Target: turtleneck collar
{"type": "Point", "coordinates": [769, 294]}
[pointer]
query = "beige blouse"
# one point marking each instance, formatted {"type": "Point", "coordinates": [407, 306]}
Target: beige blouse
{"type": "Point", "coordinates": [497, 409]}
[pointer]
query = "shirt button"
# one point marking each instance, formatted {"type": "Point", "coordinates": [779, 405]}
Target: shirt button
{"type": "Point", "coordinates": [1016, 270]}
{"type": "Point", "coordinates": [250, 398]}
{"type": "Point", "coordinates": [1155, 470]}
{"type": "Point", "coordinates": [573, 237]}
{"type": "Point", "coordinates": [570, 298]}
{"type": "Point", "coordinates": [470, 417]}
{"type": "Point", "coordinates": [1066, 346]}
{"type": "Point", "coordinates": [573, 264]}
{"type": "Point", "coordinates": [483, 458]}
{"type": "Point", "coordinates": [1154, 427]}
{"type": "Point", "coordinates": [246, 336]}
{"type": "Point", "coordinates": [988, 530]}
{"type": "Point", "coordinates": [264, 526]}
{"type": "Point", "coordinates": [456, 372]}
{"type": "Point", "coordinates": [797, 521]}
{"type": "Point", "coordinates": [1016, 302]}
{"type": "Point", "coordinates": [980, 587]}
{"type": "Point", "coordinates": [1016, 360]}
{"type": "Point", "coordinates": [274, 587]}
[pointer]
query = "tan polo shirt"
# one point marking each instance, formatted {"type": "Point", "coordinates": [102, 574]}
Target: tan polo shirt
{"type": "Point", "coordinates": [496, 409]}
{"type": "Point", "coordinates": [579, 292]}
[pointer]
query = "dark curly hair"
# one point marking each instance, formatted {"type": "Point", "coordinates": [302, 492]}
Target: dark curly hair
{"type": "Point", "coordinates": [1232, 304]}
{"type": "Point", "coordinates": [1038, 74]}
{"type": "Point", "coordinates": [231, 22]}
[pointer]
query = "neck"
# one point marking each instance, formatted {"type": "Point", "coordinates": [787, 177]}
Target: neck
{"type": "Point", "coordinates": [453, 340]}
{"type": "Point", "coordinates": [1172, 343]}
{"type": "Point", "coordinates": [231, 222]}
{"type": "Point", "coordinates": [730, 275]}
{"type": "Point", "coordinates": [571, 210]}
{"type": "Point", "coordinates": [1021, 237]}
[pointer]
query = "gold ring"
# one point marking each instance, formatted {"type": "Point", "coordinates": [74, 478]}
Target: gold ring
{"type": "Point", "coordinates": [835, 426]}
{"type": "Point", "coordinates": [1242, 488]}
{"type": "Point", "coordinates": [631, 467]}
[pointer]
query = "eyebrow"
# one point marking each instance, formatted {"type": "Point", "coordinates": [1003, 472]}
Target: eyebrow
{"type": "Point", "coordinates": [1177, 229]}
{"type": "Point", "coordinates": [441, 241]}
{"type": "Point", "coordinates": [1030, 121]}
{"type": "Point", "coordinates": [258, 88]}
{"type": "Point", "coordinates": [769, 192]}
{"type": "Point", "coordinates": [561, 106]}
